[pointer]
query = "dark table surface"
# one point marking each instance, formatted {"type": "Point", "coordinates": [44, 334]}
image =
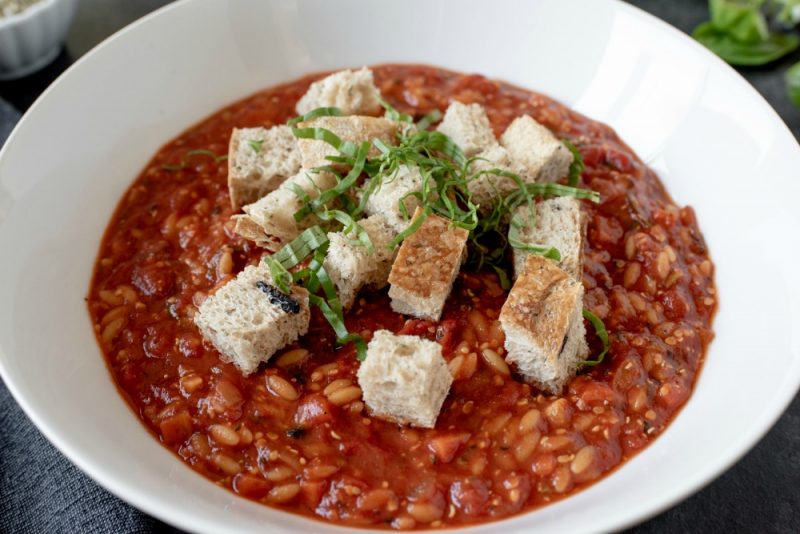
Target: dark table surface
{"type": "Point", "coordinates": [40, 491]}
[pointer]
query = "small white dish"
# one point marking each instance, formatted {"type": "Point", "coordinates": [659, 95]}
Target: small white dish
{"type": "Point", "coordinates": [31, 39]}
{"type": "Point", "coordinates": [713, 140]}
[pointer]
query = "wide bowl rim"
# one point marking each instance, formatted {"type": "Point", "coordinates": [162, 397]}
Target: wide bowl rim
{"type": "Point", "coordinates": [144, 502]}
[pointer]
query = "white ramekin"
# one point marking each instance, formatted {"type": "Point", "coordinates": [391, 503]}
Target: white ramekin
{"type": "Point", "coordinates": [32, 39]}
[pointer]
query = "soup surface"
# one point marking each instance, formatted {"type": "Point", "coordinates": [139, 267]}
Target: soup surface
{"type": "Point", "coordinates": [296, 434]}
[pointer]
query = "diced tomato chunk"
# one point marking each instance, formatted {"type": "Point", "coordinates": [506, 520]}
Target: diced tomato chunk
{"type": "Point", "coordinates": [446, 335]}
{"type": "Point", "coordinates": [311, 492]}
{"type": "Point", "coordinates": [313, 410]}
{"type": "Point", "coordinates": [470, 496]}
{"type": "Point", "coordinates": [446, 446]}
{"type": "Point", "coordinates": [418, 327]}
{"type": "Point", "coordinates": [176, 428]}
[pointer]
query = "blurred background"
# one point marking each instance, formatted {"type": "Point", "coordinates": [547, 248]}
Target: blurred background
{"type": "Point", "coordinates": [40, 491]}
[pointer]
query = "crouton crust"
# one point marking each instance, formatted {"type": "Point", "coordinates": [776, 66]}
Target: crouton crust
{"type": "Point", "coordinates": [426, 266]}
{"type": "Point", "coordinates": [542, 320]}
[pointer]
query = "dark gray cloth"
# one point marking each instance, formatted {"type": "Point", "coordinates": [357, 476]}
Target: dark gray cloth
{"type": "Point", "coordinates": [40, 491]}
{"type": "Point", "coordinates": [8, 118]}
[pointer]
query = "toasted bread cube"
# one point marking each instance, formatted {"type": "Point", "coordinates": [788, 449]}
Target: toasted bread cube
{"type": "Point", "coordinates": [468, 125]}
{"type": "Point", "coordinates": [351, 266]}
{"type": "Point", "coordinates": [393, 190]}
{"type": "Point", "coordinates": [426, 267]}
{"type": "Point", "coordinates": [271, 219]}
{"type": "Point", "coordinates": [559, 223]}
{"type": "Point", "coordinates": [260, 160]}
{"type": "Point", "coordinates": [404, 379]}
{"type": "Point", "coordinates": [354, 128]}
{"type": "Point", "coordinates": [353, 92]}
{"type": "Point", "coordinates": [247, 321]}
{"type": "Point", "coordinates": [543, 323]}
{"type": "Point", "coordinates": [487, 188]}
{"type": "Point", "coordinates": [535, 151]}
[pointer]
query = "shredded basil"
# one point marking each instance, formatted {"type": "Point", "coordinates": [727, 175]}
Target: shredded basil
{"type": "Point", "coordinates": [339, 189]}
{"type": "Point", "coordinates": [602, 334]}
{"type": "Point", "coordinates": [350, 227]}
{"type": "Point", "coordinates": [298, 249]}
{"type": "Point", "coordinates": [316, 113]}
{"type": "Point", "coordinates": [446, 173]}
{"type": "Point", "coordinates": [413, 227]}
{"type": "Point", "coordinates": [392, 114]}
{"type": "Point", "coordinates": [577, 167]}
{"type": "Point", "coordinates": [429, 119]}
{"type": "Point", "coordinates": [515, 241]}
{"type": "Point", "coordinates": [256, 145]}
{"type": "Point", "coordinates": [190, 154]}
{"type": "Point", "coordinates": [312, 242]}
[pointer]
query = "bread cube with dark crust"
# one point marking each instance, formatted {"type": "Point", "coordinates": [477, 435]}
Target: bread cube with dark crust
{"type": "Point", "coordinates": [426, 266]}
{"type": "Point", "coordinates": [249, 319]}
{"type": "Point", "coordinates": [543, 323]}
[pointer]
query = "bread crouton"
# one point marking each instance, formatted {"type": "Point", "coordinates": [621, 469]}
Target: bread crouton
{"type": "Point", "coordinates": [259, 160]}
{"type": "Point", "coordinates": [248, 319]}
{"type": "Point", "coordinates": [404, 379]}
{"type": "Point", "coordinates": [468, 125]}
{"type": "Point", "coordinates": [357, 129]}
{"type": "Point", "coordinates": [272, 217]}
{"type": "Point", "coordinates": [485, 189]}
{"type": "Point", "coordinates": [559, 223]}
{"type": "Point", "coordinates": [535, 151]}
{"type": "Point", "coordinates": [351, 267]}
{"type": "Point", "coordinates": [426, 267]}
{"type": "Point", "coordinates": [353, 92]}
{"type": "Point", "coordinates": [394, 189]}
{"type": "Point", "coordinates": [543, 323]}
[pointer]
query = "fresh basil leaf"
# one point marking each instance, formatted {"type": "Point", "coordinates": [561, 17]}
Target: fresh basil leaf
{"type": "Point", "coordinates": [793, 83]}
{"type": "Point", "coordinates": [786, 12]}
{"type": "Point", "coordinates": [745, 54]}
{"type": "Point", "coordinates": [740, 19]}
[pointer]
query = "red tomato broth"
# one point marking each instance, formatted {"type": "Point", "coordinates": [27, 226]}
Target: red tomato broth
{"type": "Point", "coordinates": [500, 447]}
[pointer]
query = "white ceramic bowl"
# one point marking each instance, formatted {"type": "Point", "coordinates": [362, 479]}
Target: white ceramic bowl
{"type": "Point", "coordinates": [31, 39]}
{"type": "Point", "coordinates": [716, 144]}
